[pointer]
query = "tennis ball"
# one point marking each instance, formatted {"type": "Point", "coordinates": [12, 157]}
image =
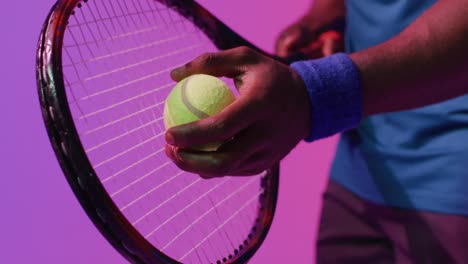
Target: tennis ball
{"type": "Point", "coordinates": [194, 98]}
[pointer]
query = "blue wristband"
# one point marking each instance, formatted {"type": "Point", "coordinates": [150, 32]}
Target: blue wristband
{"type": "Point", "coordinates": [335, 94]}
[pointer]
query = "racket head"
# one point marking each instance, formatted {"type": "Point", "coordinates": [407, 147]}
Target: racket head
{"type": "Point", "coordinates": [66, 139]}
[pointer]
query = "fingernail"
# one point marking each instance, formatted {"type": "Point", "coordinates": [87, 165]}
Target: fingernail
{"type": "Point", "coordinates": [177, 72]}
{"type": "Point", "coordinates": [176, 153]}
{"type": "Point", "coordinates": [169, 139]}
{"type": "Point", "coordinates": [288, 38]}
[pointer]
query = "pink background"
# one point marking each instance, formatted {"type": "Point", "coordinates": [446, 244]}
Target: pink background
{"type": "Point", "coordinates": [42, 222]}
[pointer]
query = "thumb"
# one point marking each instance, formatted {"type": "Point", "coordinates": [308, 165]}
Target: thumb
{"type": "Point", "coordinates": [290, 41]}
{"type": "Point", "coordinates": [217, 128]}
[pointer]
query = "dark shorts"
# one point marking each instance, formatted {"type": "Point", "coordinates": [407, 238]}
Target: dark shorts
{"type": "Point", "coordinates": [353, 230]}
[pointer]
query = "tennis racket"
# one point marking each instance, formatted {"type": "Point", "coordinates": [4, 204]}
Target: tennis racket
{"type": "Point", "coordinates": [103, 75]}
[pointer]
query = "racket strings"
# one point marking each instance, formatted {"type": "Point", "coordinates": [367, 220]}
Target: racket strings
{"type": "Point", "coordinates": [179, 187]}
{"type": "Point", "coordinates": [142, 143]}
{"type": "Point", "coordinates": [117, 59]}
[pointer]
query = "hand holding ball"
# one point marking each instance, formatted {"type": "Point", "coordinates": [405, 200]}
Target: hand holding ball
{"type": "Point", "coordinates": [196, 97]}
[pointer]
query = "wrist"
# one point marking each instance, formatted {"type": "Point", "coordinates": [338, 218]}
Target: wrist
{"type": "Point", "coordinates": [303, 103]}
{"type": "Point", "coordinates": [334, 91]}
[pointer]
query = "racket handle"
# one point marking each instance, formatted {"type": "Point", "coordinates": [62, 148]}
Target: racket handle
{"type": "Point", "coordinates": [315, 50]}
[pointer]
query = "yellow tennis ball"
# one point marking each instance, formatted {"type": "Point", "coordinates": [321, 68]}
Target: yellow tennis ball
{"type": "Point", "coordinates": [194, 98]}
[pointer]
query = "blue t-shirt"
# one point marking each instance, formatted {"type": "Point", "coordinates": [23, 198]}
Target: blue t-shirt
{"type": "Point", "coordinates": [415, 159]}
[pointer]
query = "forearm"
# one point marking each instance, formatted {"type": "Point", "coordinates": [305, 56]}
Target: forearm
{"type": "Point", "coordinates": [323, 14]}
{"type": "Point", "coordinates": [425, 64]}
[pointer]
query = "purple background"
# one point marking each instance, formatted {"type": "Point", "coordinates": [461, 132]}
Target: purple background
{"type": "Point", "coordinates": [42, 222]}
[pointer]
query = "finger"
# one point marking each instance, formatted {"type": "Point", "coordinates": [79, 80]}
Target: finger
{"type": "Point", "coordinates": [332, 46]}
{"type": "Point", "coordinates": [249, 172]}
{"type": "Point", "coordinates": [288, 41]}
{"type": "Point", "coordinates": [228, 160]}
{"type": "Point", "coordinates": [254, 165]}
{"type": "Point", "coordinates": [191, 162]}
{"type": "Point", "coordinates": [313, 51]}
{"type": "Point", "coordinates": [217, 128]}
{"type": "Point", "coordinates": [328, 47]}
{"type": "Point", "coordinates": [332, 41]}
{"type": "Point", "coordinates": [229, 63]}
{"type": "Point", "coordinates": [206, 164]}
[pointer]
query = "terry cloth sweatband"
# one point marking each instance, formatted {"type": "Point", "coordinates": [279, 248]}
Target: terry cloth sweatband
{"type": "Point", "coordinates": [335, 94]}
